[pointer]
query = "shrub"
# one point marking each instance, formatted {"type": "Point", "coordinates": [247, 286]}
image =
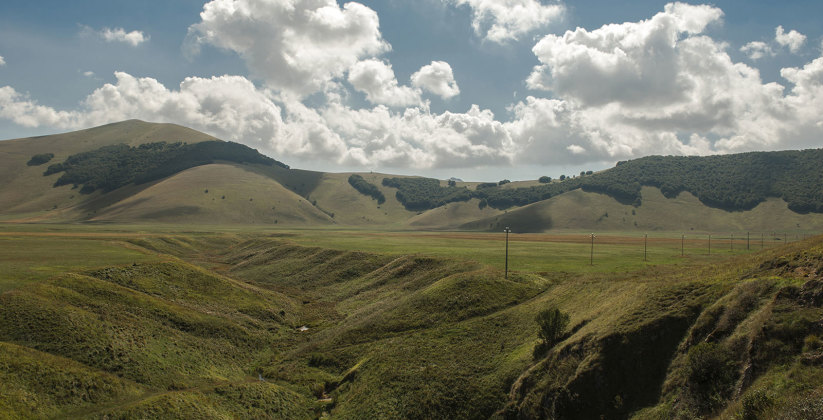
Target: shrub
{"type": "Point", "coordinates": [754, 404]}
{"type": "Point", "coordinates": [552, 323]}
{"type": "Point", "coordinates": [544, 179]}
{"type": "Point", "coordinates": [711, 374]}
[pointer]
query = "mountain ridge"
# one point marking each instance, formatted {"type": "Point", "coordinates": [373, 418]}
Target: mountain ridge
{"type": "Point", "coordinates": [740, 191]}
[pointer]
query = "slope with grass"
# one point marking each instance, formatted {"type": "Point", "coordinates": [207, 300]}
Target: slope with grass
{"type": "Point", "coordinates": [131, 168]}
{"type": "Point", "coordinates": [592, 211]}
{"type": "Point", "coordinates": [213, 194]}
{"type": "Point", "coordinates": [738, 340]}
{"type": "Point", "coordinates": [150, 339]}
{"type": "Point", "coordinates": [334, 194]}
{"type": "Point", "coordinates": [400, 335]}
{"type": "Point", "coordinates": [25, 190]}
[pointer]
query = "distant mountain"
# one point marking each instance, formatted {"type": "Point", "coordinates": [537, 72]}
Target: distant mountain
{"type": "Point", "coordinates": [134, 171]}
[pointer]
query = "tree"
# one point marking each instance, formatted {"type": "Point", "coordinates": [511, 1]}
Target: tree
{"type": "Point", "coordinates": [562, 177]}
{"type": "Point", "coordinates": [545, 179]}
{"type": "Point", "coordinates": [503, 182]}
{"type": "Point", "coordinates": [452, 183]}
{"type": "Point", "coordinates": [552, 323]}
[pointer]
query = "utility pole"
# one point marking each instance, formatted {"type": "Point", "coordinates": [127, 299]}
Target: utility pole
{"type": "Point", "coordinates": [747, 241]}
{"type": "Point", "coordinates": [507, 230]}
{"type": "Point", "coordinates": [682, 244]}
{"type": "Point", "coordinates": [645, 245]}
{"type": "Point", "coordinates": [591, 259]}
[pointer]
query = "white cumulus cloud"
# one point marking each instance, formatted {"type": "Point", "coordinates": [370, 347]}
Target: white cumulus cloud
{"type": "Point", "coordinates": [506, 20]}
{"type": "Point", "coordinates": [632, 63]}
{"type": "Point", "coordinates": [757, 50]}
{"type": "Point", "coordinates": [657, 86]}
{"type": "Point", "coordinates": [436, 78]}
{"type": "Point", "coordinates": [2, 61]}
{"type": "Point", "coordinates": [793, 40]}
{"type": "Point", "coordinates": [297, 46]}
{"type": "Point", "coordinates": [377, 80]}
{"type": "Point", "coordinates": [133, 38]}
{"type": "Point", "coordinates": [229, 107]}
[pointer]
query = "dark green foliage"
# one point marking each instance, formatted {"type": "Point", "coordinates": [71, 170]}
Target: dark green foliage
{"type": "Point", "coordinates": [729, 182]}
{"type": "Point", "coordinates": [366, 188]}
{"type": "Point", "coordinates": [544, 179]}
{"type": "Point", "coordinates": [501, 198]}
{"type": "Point", "coordinates": [712, 372]}
{"type": "Point", "coordinates": [40, 159]}
{"type": "Point", "coordinates": [418, 194]}
{"type": "Point", "coordinates": [503, 182]}
{"type": "Point", "coordinates": [755, 404]}
{"type": "Point", "coordinates": [112, 167]}
{"type": "Point", "coordinates": [452, 183]}
{"type": "Point", "coordinates": [552, 323]}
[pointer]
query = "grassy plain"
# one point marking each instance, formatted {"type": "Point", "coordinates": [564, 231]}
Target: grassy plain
{"type": "Point", "coordinates": [25, 258]}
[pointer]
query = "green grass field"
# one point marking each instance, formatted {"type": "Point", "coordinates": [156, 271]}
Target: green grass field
{"type": "Point", "coordinates": [26, 259]}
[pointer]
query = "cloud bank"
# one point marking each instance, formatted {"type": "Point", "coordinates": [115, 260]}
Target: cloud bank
{"type": "Point", "coordinates": [656, 86]}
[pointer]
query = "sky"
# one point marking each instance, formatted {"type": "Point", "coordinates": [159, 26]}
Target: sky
{"type": "Point", "coordinates": [479, 90]}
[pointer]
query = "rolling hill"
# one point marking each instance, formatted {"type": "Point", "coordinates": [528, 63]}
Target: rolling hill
{"type": "Point", "coordinates": [139, 172]}
{"type": "Point", "coordinates": [252, 325]}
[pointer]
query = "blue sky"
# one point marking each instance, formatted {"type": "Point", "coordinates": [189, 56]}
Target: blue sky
{"type": "Point", "coordinates": [477, 89]}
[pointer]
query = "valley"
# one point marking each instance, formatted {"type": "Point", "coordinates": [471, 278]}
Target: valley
{"type": "Point", "coordinates": [137, 321]}
{"type": "Point", "coordinates": [148, 270]}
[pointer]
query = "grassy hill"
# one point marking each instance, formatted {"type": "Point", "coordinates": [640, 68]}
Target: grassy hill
{"type": "Point", "coordinates": [135, 171]}
{"type": "Point", "coordinates": [26, 191]}
{"type": "Point", "coordinates": [580, 210]}
{"type": "Point", "coordinates": [210, 325]}
{"type": "Point", "coordinates": [214, 194]}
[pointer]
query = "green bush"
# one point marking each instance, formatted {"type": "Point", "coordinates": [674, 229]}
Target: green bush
{"type": "Point", "coordinates": [552, 323]}
{"type": "Point", "coordinates": [711, 374]}
{"type": "Point", "coordinates": [754, 404]}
